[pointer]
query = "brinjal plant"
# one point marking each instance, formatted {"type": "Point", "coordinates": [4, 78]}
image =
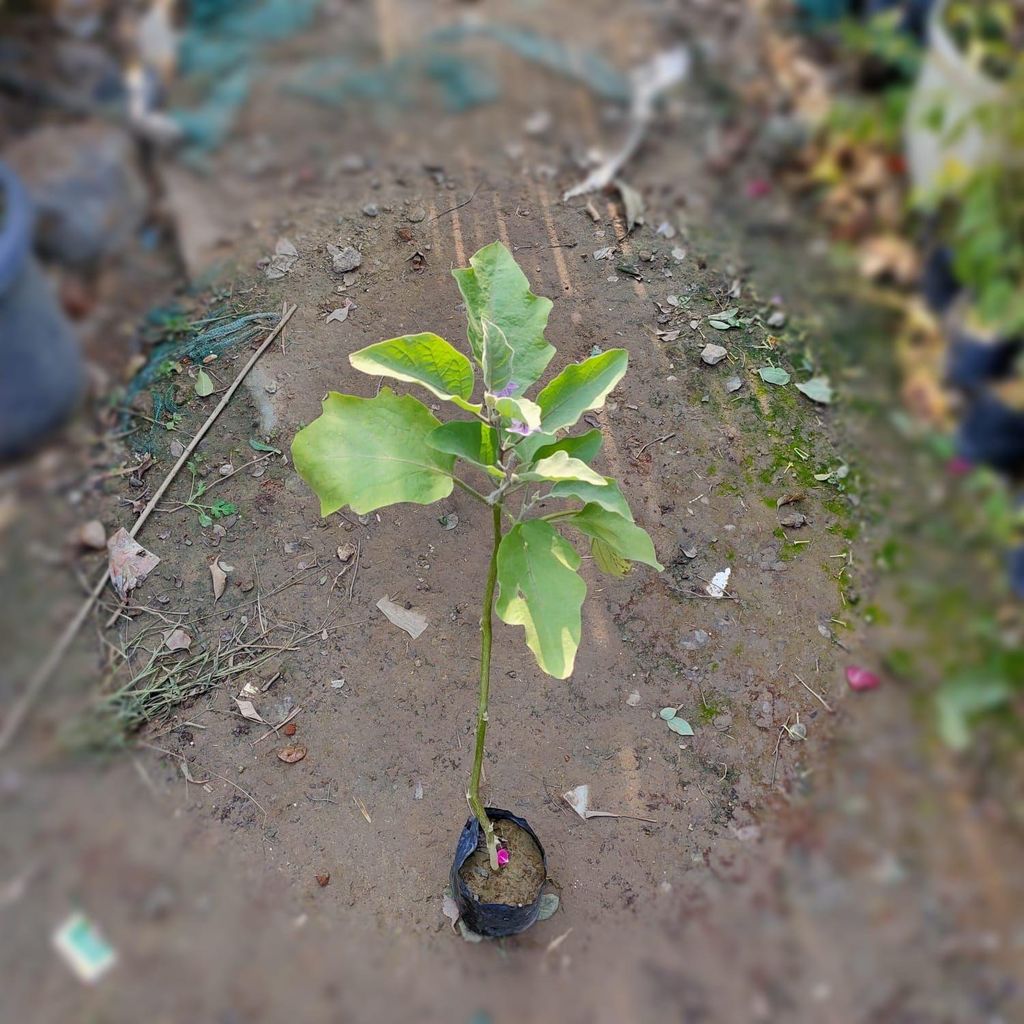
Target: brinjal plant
{"type": "Point", "coordinates": [509, 452]}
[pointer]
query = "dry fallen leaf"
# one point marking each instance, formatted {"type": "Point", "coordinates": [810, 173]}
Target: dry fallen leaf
{"type": "Point", "coordinates": [412, 622]}
{"type": "Point", "coordinates": [579, 800]}
{"type": "Point", "coordinates": [450, 909]}
{"type": "Point", "coordinates": [249, 691]}
{"type": "Point", "coordinates": [219, 576]}
{"type": "Point", "coordinates": [323, 879]}
{"type": "Point", "coordinates": [345, 553]}
{"type": "Point", "coordinates": [340, 315]}
{"type": "Point", "coordinates": [130, 563]}
{"type": "Point", "coordinates": [177, 640]}
{"type": "Point", "coordinates": [789, 499]}
{"type": "Point", "coordinates": [292, 753]}
{"type": "Point", "coordinates": [248, 710]}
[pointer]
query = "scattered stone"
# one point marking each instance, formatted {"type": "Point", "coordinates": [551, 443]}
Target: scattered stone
{"type": "Point", "coordinates": [733, 384]}
{"type": "Point", "coordinates": [416, 215]}
{"type": "Point", "coordinates": [794, 520]}
{"type": "Point", "coordinates": [371, 210]}
{"type": "Point", "coordinates": [91, 535]}
{"type": "Point", "coordinates": [696, 641]}
{"type": "Point", "coordinates": [344, 259]}
{"type": "Point", "coordinates": [713, 354]}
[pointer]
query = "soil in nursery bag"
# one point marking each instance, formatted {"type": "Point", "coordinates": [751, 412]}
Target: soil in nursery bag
{"type": "Point", "coordinates": [517, 883]}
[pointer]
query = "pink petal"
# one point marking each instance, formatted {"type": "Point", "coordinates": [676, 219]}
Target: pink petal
{"type": "Point", "coordinates": [502, 858]}
{"type": "Point", "coordinates": [861, 679]}
{"type": "Point", "coordinates": [959, 466]}
{"type": "Point", "coordinates": [758, 188]}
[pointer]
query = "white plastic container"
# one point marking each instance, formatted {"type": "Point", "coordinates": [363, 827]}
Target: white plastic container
{"type": "Point", "coordinates": [947, 83]}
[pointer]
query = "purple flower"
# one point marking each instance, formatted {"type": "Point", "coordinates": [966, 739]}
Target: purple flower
{"type": "Point", "coordinates": [507, 391]}
{"type": "Point", "coordinates": [518, 427]}
{"type": "Point", "coordinates": [503, 858]}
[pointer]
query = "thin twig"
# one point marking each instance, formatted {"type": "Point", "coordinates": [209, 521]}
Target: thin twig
{"type": "Point", "coordinates": [814, 693]}
{"type": "Point", "coordinates": [43, 673]}
{"type": "Point", "coordinates": [657, 440]}
{"type": "Point", "coordinates": [244, 792]}
{"type": "Point", "coordinates": [275, 728]}
{"type": "Point", "coordinates": [444, 213]}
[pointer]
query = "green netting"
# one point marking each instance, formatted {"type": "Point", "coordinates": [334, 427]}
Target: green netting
{"type": "Point", "coordinates": [178, 339]}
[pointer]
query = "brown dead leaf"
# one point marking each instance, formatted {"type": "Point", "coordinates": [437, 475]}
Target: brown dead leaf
{"type": "Point", "coordinates": [292, 753]}
{"type": "Point", "coordinates": [412, 622]}
{"type": "Point", "coordinates": [790, 498]}
{"type": "Point", "coordinates": [323, 879]}
{"type": "Point", "coordinates": [248, 710]}
{"type": "Point", "coordinates": [345, 553]}
{"type": "Point", "coordinates": [130, 563]}
{"type": "Point", "coordinates": [177, 640]}
{"type": "Point", "coordinates": [450, 909]}
{"type": "Point", "coordinates": [219, 576]}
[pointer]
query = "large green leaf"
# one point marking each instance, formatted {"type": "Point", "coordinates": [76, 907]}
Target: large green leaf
{"type": "Point", "coordinates": [496, 289]}
{"type": "Point", "coordinates": [541, 591]}
{"type": "Point", "coordinates": [561, 466]}
{"type": "Point", "coordinates": [622, 535]}
{"type": "Point", "coordinates": [539, 446]}
{"type": "Point", "coordinates": [579, 387]}
{"type": "Point", "coordinates": [608, 496]}
{"type": "Point", "coordinates": [606, 559]}
{"type": "Point", "coordinates": [421, 359]}
{"type": "Point", "coordinates": [471, 440]}
{"type": "Point", "coordinates": [372, 452]}
{"type": "Point", "coordinates": [495, 357]}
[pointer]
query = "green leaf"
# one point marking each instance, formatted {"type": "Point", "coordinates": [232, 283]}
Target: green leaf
{"type": "Point", "coordinates": [581, 387]}
{"type": "Point", "coordinates": [561, 466]}
{"type": "Point", "coordinates": [540, 590]}
{"type": "Point", "coordinates": [422, 359]}
{"type": "Point", "coordinates": [204, 386]}
{"type": "Point", "coordinates": [583, 446]}
{"type": "Point", "coordinates": [470, 440]}
{"type": "Point", "coordinates": [495, 357]}
{"type": "Point", "coordinates": [774, 375]}
{"type": "Point", "coordinates": [680, 725]}
{"type": "Point", "coordinates": [606, 560]}
{"type": "Point", "coordinates": [205, 520]}
{"type": "Point", "coordinates": [371, 452]}
{"type": "Point", "coordinates": [519, 410]}
{"type": "Point", "coordinates": [496, 289]}
{"type": "Point", "coordinates": [608, 496]}
{"type": "Point", "coordinates": [259, 446]}
{"type": "Point", "coordinates": [622, 535]}
{"type": "Point", "coordinates": [817, 389]}
{"type": "Point", "coordinates": [963, 698]}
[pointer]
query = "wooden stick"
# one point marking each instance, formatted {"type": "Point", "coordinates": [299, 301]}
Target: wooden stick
{"type": "Point", "coordinates": [42, 674]}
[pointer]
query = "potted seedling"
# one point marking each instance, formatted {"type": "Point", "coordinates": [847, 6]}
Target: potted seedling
{"type": "Point", "coordinates": [512, 454]}
{"type": "Point", "coordinates": [973, 52]}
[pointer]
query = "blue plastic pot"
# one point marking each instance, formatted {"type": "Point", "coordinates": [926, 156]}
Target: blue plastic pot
{"type": "Point", "coordinates": [41, 373]}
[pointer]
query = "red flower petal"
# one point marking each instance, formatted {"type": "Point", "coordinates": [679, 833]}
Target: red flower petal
{"type": "Point", "coordinates": [861, 679]}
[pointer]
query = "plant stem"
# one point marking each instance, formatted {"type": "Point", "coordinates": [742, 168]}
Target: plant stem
{"type": "Point", "coordinates": [470, 490]}
{"type": "Point", "coordinates": [486, 628]}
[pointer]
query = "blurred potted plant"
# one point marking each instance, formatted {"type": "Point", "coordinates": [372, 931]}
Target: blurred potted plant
{"type": "Point", "coordinates": [973, 48]}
